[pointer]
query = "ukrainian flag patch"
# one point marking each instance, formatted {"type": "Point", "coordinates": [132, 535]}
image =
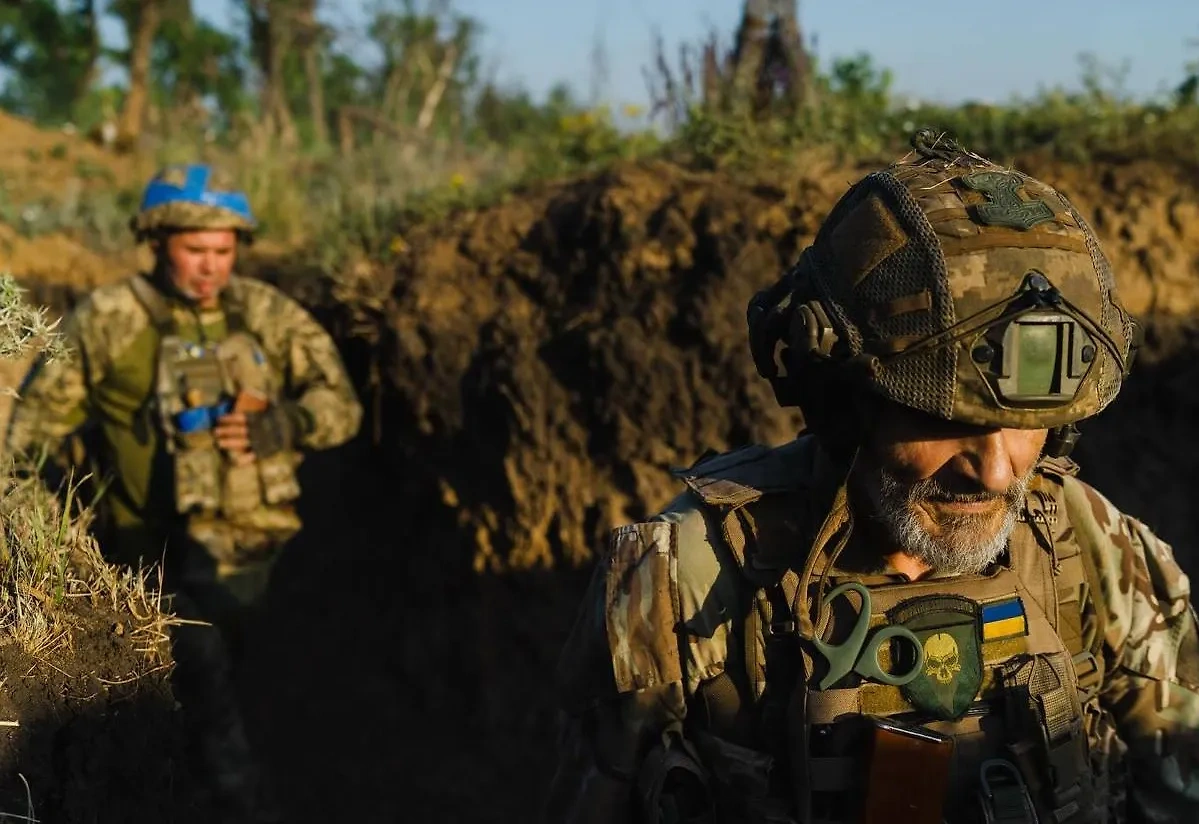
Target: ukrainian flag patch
{"type": "Point", "coordinates": [1004, 619]}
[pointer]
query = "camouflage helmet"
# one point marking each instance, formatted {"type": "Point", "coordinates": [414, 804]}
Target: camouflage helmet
{"type": "Point", "coordinates": [192, 197]}
{"type": "Point", "coordinates": [953, 286]}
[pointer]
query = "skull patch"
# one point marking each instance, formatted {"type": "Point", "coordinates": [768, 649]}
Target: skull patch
{"type": "Point", "coordinates": [949, 627]}
{"type": "Point", "coordinates": [942, 662]}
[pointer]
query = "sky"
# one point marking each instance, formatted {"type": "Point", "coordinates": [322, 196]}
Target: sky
{"type": "Point", "coordinates": [939, 50]}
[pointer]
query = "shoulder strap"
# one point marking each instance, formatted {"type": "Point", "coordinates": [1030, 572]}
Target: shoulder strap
{"type": "Point", "coordinates": [233, 305]}
{"type": "Point", "coordinates": [748, 491]}
{"type": "Point", "coordinates": [1080, 613]}
{"type": "Point", "coordinates": [154, 303]}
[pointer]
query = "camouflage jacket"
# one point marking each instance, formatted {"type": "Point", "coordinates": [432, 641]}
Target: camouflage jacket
{"type": "Point", "coordinates": [661, 619]}
{"type": "Point", "coordinates": [108, 379]}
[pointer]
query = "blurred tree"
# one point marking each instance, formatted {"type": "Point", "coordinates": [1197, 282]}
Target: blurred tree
{"type": "Point", "coordinates": [1187, 92]}
{"type": "Point", "coordinates": [503, 116]}
{"type": "Point", "coordinates": [50, 52]}
{"type": "Point", "coordinates": [426, 81]}
{"type": "Point", "coordinates": [271, 35]}
{"type": "Point", "coordinates": [197, 70]}
{"type": "Point", "coordinates": [310, 39]}
{"type": "Point", "coordinates": [430, 61]}
{"type": "Point", "coordinates": [142, 19]}
{"type": "Point", "coordinates": [768, 71]}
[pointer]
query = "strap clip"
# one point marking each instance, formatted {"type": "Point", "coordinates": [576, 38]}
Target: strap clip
{"type": "Point", "coordinates": [1087, 671]}
{"type": "Point", "coordinates": [1003, 794]}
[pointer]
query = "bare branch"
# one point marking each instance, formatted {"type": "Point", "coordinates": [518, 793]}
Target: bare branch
{"type": "Point", "coordinates": [437, 90]}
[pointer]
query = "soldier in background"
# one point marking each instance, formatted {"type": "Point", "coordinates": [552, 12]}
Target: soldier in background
{"type": "Point", "coordinates": [203, 389]}
{"type": "Point", "coordinates": [915, 612]}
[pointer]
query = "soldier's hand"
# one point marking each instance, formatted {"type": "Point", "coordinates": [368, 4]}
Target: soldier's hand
{"type": "Point", "coordinates": [233, 435]}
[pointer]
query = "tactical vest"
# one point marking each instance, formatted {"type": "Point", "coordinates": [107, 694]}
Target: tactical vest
{"type": "Point", "coordinates": [1011, 674]}
{"type": "Point", "coordinates": [233, 510]}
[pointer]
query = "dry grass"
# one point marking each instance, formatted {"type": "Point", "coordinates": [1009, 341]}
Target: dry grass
{"type": "Point", "coordinates": [49, 559]}
{"type": "Point", "coordinates": [47, 556]}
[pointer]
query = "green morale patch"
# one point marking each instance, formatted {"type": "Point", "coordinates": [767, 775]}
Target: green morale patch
{"type": "Point", "coordinates": [1005, 206]}
{"type": "Point", "coordinates": [949, 628]}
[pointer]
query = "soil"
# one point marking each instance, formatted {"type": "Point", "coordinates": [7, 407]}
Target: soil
{"type": "Point", "coordinates": [532, 372]}
{"type": "Point", "coordinates": [98, 738]}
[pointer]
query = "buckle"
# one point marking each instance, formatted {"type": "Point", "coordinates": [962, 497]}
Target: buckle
{"type": "Point", "coordinates": [1003, 795]}
{"type": "Point", "coordinates": [1086, 671]}
{"type": "Point", "coordinates": [778, 629]}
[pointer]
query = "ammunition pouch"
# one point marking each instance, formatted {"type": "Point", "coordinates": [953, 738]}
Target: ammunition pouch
{"type": "Point", "coordinates": [1003, 795]}
{"type": "Point", "coordinates": [673, 785]}
{"type": "Point", "coordinates": [743, 782]}
{"type": "Point", "coordinates": [1045, 723]}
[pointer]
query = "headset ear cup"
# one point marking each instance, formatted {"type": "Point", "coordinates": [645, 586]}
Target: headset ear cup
{"type": "Point", "coordinates": [812, 331]}
{"type": "Point", "coordinates": [1061, 441]}
{"type": "Point", "coordinates": [767, 317]}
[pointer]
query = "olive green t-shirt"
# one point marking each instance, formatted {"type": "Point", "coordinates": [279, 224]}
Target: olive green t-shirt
{"type": "Point", "coordinates": [142, 491]}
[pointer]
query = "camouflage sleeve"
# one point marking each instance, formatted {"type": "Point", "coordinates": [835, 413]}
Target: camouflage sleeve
{"type": "Point", "coordinates": [1152, 652]}
{"type": "Point", "coordinates": [53, 398]}
{"type": "Point", "coordinates": [619, 678]}
{"type": "Point", "coordinates": [649, 630]}
{"type": "Point", "coordinates": [316, 379]}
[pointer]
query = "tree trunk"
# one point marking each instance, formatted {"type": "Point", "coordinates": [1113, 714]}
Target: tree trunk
{"type": "Point", "coordinates": [143, 25]}
{"type": "Point", "coordinates": [746, 59]}
{"type": "Point", "coordinates": [180, 11]}
{"type": "Point", "coordinates": [88, 10]}
{"type": "Point", "coordinates": [799, 62]}
{"type": "Point", "coordinates": [309, 36]}
{"type": "Point", "coordinates": [270, 35]}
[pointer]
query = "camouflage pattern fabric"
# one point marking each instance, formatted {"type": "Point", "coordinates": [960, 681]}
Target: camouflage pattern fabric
{"type": "Point", "coordinates": [1152, 651]}
{"type": "Point", "coordinates": [109, 379]}
{"type": "Point", "coordinates": [920, 273]}
{"type": "Point", "coordinates": [194, 216]}
{"type": "Point", "coordinates": [663, 613]}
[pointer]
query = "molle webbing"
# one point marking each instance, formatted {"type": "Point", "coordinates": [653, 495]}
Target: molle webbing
{"type": "Point", "coordinates": [1078, 617]}
{"type": "Point", "coordinates": [1044, 717]}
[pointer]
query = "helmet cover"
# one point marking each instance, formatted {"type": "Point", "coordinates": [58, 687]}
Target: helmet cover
{"type": "Point", "coordinates": [971, 292]}
{"type": "Point", "coordinates": [192, 197]}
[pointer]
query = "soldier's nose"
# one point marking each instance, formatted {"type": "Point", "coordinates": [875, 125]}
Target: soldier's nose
{"type": "Point", "coordinates": [985, 460]}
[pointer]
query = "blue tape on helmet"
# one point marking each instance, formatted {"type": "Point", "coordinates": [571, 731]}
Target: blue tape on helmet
{"type": "Point", "coordinates": [195, 190]}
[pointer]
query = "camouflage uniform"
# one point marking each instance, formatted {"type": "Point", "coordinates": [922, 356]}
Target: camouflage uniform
{"type": "Point", "coordinates": [110, 380]}
{"type": "Point", "coordinates": [217, 532]}
{"type": "Point", "coordinates": [691, 684]}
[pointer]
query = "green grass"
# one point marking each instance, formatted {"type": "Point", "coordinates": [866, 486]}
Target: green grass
{"type": "Point", "coordinates": [338, 207]}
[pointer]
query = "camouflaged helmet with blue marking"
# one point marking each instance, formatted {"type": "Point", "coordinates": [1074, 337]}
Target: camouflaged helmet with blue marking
{"type": "Point", "coordinates": [952, 286]}
{"type": "Point", "coordinates": [192, 197]}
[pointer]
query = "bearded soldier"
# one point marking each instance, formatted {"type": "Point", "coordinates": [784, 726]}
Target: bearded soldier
{"type": "Point", "coordinates": [203, 388]}
{"type": "Point", "coordinates": [915, 612]}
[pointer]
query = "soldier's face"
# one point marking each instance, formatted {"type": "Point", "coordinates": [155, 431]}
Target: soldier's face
{"type": "Point", "coordinates": [948, 493]}
{"type": "Point", "coordinates": [199, 263]}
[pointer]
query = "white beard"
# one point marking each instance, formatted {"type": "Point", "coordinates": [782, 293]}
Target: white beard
{"type": "Point", "coordinates": [967, 543]}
